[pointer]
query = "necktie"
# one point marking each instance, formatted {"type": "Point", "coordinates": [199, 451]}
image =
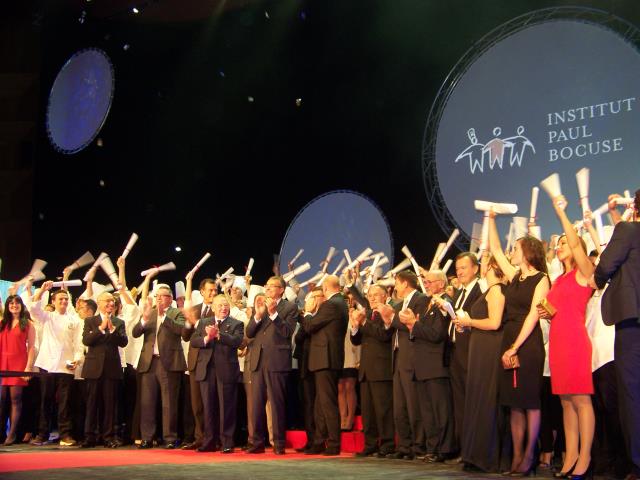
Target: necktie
{"type": "Point", "coordinates": [460, 301]}
{"type": "Point", "coordinates": [206, 311]}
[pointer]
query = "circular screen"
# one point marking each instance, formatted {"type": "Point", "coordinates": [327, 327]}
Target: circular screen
{"type": "Point", "coordinates": [342, 219]}
{"type": "Point", "coordinates": [80, 99]}
{"type": "Point", "coordinates": [553, 96]}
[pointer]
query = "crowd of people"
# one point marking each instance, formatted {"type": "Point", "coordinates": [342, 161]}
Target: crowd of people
{"type": "Point", "coordinates": [516, 357]}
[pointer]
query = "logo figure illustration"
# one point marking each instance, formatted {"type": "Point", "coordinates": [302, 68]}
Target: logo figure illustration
{"type": "Point", "coordinates": [494, 150]}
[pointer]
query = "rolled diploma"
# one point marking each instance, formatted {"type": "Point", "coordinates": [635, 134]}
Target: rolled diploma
{"type": "Point", "coordinates": [346, 255]}
{"type": "Point", "coordinates": [340, 265]}
{"type": "Point", "coordinates": [484, 235]}
{"type": "Point", "coordinates": [449, 309]}
{"type": "Point", "coordinates": [452, 238]}
{"type": "Point", "coordinates": [582, 179]}
{"type": "Point", "coordinates": [500, 208]}
{"type": "Point", "coordinates": [401, 266]}
{"type": "Point", "coordinates": [476, 235]}
{"type": "Point", "coordinates": [602, 209]}
{"type": "Point", "coordinates": [130, 244]}
{"type": "Point", "coordinates": [551, 185]}
{"type": "Point", "coordinates": [95, 265]}
{"type": "Point", "coordinates": [330, 254]}
{"type": "Point", "coordinates": [315, 278]}
{"type": "Point", "coordinates": [287, 277]}
{"type": "Point", "coordinates": [509, 237]}
{"type": "Point", "coordinates": [365, 253]}
{"type": "Point", "coordinates": [534, 204]}
{"type": "Point", "coordinates": [161, 268]}
{"type": "Point", "coordinates": [249, 267]}
{"type": "Point", "coordinates": [107, 266]}
{"type": "Point", "coordinates": [599, 228]}
{"type": "Point", "coordinates": [416, 268]}
{"type": "Point", "coordinates": [446, 266]}
{"type": "Point", "coordinates": [297, 255]}
{"type": "Point", "coordinates": [69, 283]}
{"type": "Point", "coordinates": [436, 256]}
{"type": "Point", "coordinates": [227, 273]}
{"type": "Point", "coordinates": [204, 258]}
{"type": "Point", "coordinates": [84, 260]}
{"type": "Point", "coordinates": [623, 201]}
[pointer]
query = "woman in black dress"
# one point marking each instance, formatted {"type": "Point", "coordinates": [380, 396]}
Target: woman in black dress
{"type": "Point", "coordinates": [482, 445]}
{"type": "Point", "coordinates": [520, 388]}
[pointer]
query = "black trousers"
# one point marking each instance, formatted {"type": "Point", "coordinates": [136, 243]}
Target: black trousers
{"type": "Point", "coordinates": [377, 415]}
{"type": "Point", "coordinates": [131, 425]}
{"type": "Point", "coordinates": [220, 403]}
{"type": "Point", "coordinates": [406, 413]}
{"type": "Point", "coordinates": [186, 422]}
{"type": "Point", "coordinates": [458, 371]}
{"type": "Point", "coordinates": [308, 385]}
{"type": "Point", "coordinates": [271, 385]}
{"type": "Point", "coordinates": [608, 452]}
{"type": "Point", "coordinates": [101, 397]}
{"type": "Point", "coordinates": [196, 408]}
{"type": "Point", "coordinates": [434, 396]}
{"type": "Point", "coordinates": [627, 364]}
{"type": "Point", "coordinates": [169, 384]}
{"type": "Point", "coordinates": [326, 409]}
{"type": "Point", "coordinates": [55, 389]}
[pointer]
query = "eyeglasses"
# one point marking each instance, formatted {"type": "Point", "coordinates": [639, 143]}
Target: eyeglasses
{"type": "Point", "coordinates": [162, 295]}
{"type": "Point", "coordinates": [268, 285]}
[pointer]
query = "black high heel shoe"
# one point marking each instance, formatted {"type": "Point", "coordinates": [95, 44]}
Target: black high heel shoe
{"type": "Point", "coordinates": [566, 474]}
{"type": "Point", "coordinates": [588, 473]}
{"type": "Point", "coordinates": [529, 472]}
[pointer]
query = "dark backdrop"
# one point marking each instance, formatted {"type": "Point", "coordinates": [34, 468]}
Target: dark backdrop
{"type": "Point", "coordinates": [186, 158]}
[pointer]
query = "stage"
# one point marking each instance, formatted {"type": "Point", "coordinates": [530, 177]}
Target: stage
{"type": "Point", "coordinates": [68, 463]}
{"type": "Point", "coordinates": [52, 462]}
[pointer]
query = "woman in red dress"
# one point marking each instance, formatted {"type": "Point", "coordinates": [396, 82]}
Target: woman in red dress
{"type": "Point", "coordinates": [570, 347]}
{"type": "Point", "coordinates": [17, 340]}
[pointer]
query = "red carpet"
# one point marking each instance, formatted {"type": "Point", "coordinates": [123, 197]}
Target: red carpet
{"type": "Point", "coordinates": [75, 457]}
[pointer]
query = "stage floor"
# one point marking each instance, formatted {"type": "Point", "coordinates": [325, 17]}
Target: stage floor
{"type": "Point", "coordinates": [23, 462]}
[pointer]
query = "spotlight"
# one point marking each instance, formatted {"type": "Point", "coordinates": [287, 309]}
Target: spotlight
{"type": "Point", "coordinates": [135, 10]}
{"type": "Point", "coordinates": [178, 249]}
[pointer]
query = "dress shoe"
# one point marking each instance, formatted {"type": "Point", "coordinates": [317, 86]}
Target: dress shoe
{"type": "Point", "coordinates": [190, 446]}
{"type": "Point", "coordinates": [227, 450]}
{"type": "Point", "coordinates": [434, 458]}
{"type": "Point", "coordinates": [395, 455]}
{"type": "Point", "coordinates": [207, 448]}
{"type": "Point", "coordinates": [567, 473]}
{"type": "Point", "coordinates": [305, 448]}
{"type": "Point", "coordinates": [409, 456]}
{"type": "Point", "coordinates": [385, 454]}
{"type": "Point", "coordinates": [588, 473]}
{"type": "Point", "coordinates": [145, 444]}
{"type": "Point", "coordinates": [38, 441]}
{"type": "Point", "coordinates": [10, 440]}
{"type": "Point", "coordinates": [278, 450]}
{"type": "Point", "coordinates": [453, 461]}
{"type": "Point", "coordinates": [254, 449]}
{"type": "Point", "coordinates": [116, 442]}
{"type": "Point", "coordinates": [171, 445]}
{"type": "Point", "coordinates": [246, 447]}
{"type": "Point", "coordinates": [314, 450]}
{"type": "Point", "coordinates": [367, 452]}
{"type": "Point", "coordinates": [68, 442]}
{"type": "Point", "coordinates": [331, 452]}
{"type": "Point", "coordinates": [88, 443]}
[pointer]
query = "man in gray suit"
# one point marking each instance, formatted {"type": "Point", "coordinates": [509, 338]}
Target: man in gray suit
{"type": "Point", "coordinates": [161, 364]}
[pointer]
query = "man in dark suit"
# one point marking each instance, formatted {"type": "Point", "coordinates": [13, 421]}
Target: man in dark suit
{"type": "Point", "coordinates": [458, 344]}
{"type": "Point", "coordinates": [302, 341]}
{"type": "Point", "coordinates": [217, 371]}
{"type": "Point", "coordinates": [620, 265]}
{"type": "Point", "coordinates": [102, 371]}
{"type": "Point", "coordinates": [161, 364]}
{"type": "Point", "coordinates": [208, 291]}
{"type": "Point", "coordinates": [271, 327]}
{"type": "Point", "coordinates": [429, 334]}
{"type": "Point", "coordinates": [327, 328]}
{"type": "Point", "coordinates": [374, 374]}
{"type": "Point", "coordinates": [406, 409]}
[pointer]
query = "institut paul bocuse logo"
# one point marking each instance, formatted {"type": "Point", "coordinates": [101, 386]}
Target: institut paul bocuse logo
{"type": "Point", "coordinates": [497, 152]}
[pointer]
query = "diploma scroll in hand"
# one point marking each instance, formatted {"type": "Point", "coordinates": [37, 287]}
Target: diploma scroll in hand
{"type": "Point", "coordinates": [548, 307]}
